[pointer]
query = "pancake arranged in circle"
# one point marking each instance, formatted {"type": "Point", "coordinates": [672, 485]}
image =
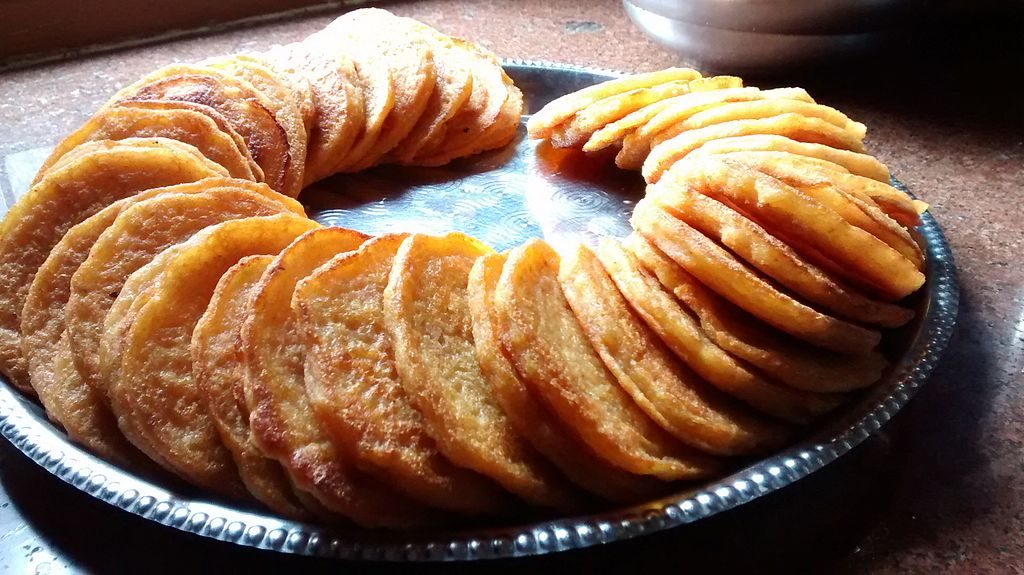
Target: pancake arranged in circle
{"type": "Point", "coordinates": [503, 129]}
{"type": "Point", "coordinates": [553, 356]}
{"type": "Point", "coordinates": [338, 116]}
{"type": "Point", "coordinates": [114, 282]}
{"type": "Point", "coordinates": [721, 271]}
{"type": "Point", "coordinates": [80, 409]}
{"type": "Point", "coordinates": [426, 313]}
{"type": "Point", "coordinates": [767, 108]}
{"type": "Point", "coordinates": [209, 112]}
{"type": "Point", "coordinates": [42, 317]}
{"type": "Point", "coordinates": [133, 296]}
{"type": "Point", "coordinates": [843, 193]}
{"type": "Point", "coordinates": [533, 420]}
{"type": "Point", "coordinates": [283, 422]}
{"type": "Point", "coordinates": [562, 109]}
{"type": "Point", "coordinates": [488, 118]}
{"type": "Point", "coordinates": [285, 88]}
{"type": "Point", "coordinates": [99, 174]}
{"type": "Point", "coordinates": [373, 78]}
{"type": "Point", "coordinates": [353, 383]}
{"type": "Point", "coordinates": [140, 233]}
{"type": "Point", "coordinates": [855, 162]}
{"type": "Point", "coordinates": [808, 225]}
{"type": "Point", "coordinates": [409, 55]}
{"type": "Point", "coordinates": [291, 113]}
{"type": "Point", "coordinates": [453, 87]}
{"type": "Point", "coordinates": [585, 122]}
{"type": "Point", "coordinates": [669, 122]}
{"type": "Point", "coordinates": [182, 124]}
{"type": "Point", "coordinates": [613, 133]}
{"type": "Point", "coordinates": [266, 130]}
{"type": "Point", "coordinates": [218, 372]}
{"type": "Point", "coordinates": [294, 80]}
{"type": "Point", "coordinates": [794, 126]}
{"type": "Point", "coordinates": [154, 396]}
{"type": "Point", "coordinates": [668, 391]}
{"type": "Point", "coordinates": [172, 306]}
{"type": "Point", "coordinates": [781, 357]}
{"type": "Point", "coordinates": [772, 257]}
{"type": "Point", "coordinates": [684, 334]}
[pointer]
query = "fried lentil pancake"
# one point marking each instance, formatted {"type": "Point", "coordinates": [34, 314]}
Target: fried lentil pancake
{"type": "Point", "coordinates": [410, 57]}
{"type": "Point", "coordinates": [809, 226]}
{"type": "Point", "coordinates": [467, 131]}
{"type": "Point", "coordinates": [842, 192]}
{"type": "Point", "coordinates": [714, 266]}
{"type": "Point", "coordinates": [373, 77]}
{"type": "Point", "coordinates": [217, 369]}
{"type": "Point", "coordinates": [453, 86]}
{"type": "Point", "coordinates": [774, 258]}
{"type": "Point", "coordinates": [614, 133]}
{"type": "Point", "coordinates": [668, 392]}
{"type": "Point", "coordinates": [528, 414]}
{"type": "Point", "coordinates": [427, 315]}
{"type": "Point", "coordinates": [562, 109]}
{"type": "Point", "coordinates": [282, 419]}
{"type": "Point", "coordinates": [683, 333]}
{"type": "Point", "coordinates": [352, 382]}
{"type": "Point", "coordinates": [574, 132]}
{"type": "Point", "coordinates": [857, 163]}
{"type": "Point", "coordinates": [136, 237]}
{"type": "Point", "coordinates": [794, 126]}
{"type": "Point", "coordinates": [79, 408]}
{"type": "Point", "coordinates": [154, 392]}
{"type": "Point", "coordinates": [246, 109]}
{"type": "Point", "coordinates": [179, 124]}
{"type": "Point", "coordinates": [337, 103]}
{"type": "Point", "coordinates": [551, 353]}
{"type": "Point", "coordinates": [669, 122]}
{"type": "Point", "coordinates": [777, 355]}
{"type": "Point", "coordinates": [101, 173]}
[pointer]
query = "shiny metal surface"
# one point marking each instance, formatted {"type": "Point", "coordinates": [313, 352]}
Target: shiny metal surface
{"type": "Point", "coordinates": [757, 36]}
{"type": "Point", "coordinates": [504, 198]}
{"type": "Point", "coordinates": [815, 17]}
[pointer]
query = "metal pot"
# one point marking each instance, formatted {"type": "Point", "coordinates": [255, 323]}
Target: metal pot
{"type": "Point", "coordinates": [763, 35]}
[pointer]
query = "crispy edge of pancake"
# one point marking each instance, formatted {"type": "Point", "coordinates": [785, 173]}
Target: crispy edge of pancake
{"type": "Point", "coordinates": [714, 266]}
{"type": "Point", "coordinates": [551, 353]}
{"type": "Point", "coordinates": [126, 245]}
{"type": "Point", "coordinates": [103, 173]}
{"type": "Point", "coordinates": [282, 420]}
{"type": "Point", "coordinates": [531, 418]}
{"type": "Point", "coordinates": [217, 369]}
{"type": "Point", "coordinates": [427, 315]}
{"type": "Point", "coordinates": [354, 386]}
{"type": "Point", "coordinates": [668, 391]}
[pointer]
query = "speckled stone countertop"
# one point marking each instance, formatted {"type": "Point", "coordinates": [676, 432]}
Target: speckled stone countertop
{"type": "Point", "coordinates": [940, 490]}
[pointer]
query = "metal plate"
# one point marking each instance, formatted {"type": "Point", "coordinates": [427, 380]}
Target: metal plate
{"type": "Point", "coordinates": [505, 198]}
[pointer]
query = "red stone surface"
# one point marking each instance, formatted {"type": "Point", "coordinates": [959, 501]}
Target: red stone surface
{"type": "Point", "coordinates": [940, 491]}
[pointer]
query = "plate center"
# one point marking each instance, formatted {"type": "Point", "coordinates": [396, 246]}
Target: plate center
{"type": "Point", "coordinates": [503, 198]}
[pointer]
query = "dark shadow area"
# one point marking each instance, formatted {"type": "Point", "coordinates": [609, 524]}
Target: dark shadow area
{"type": "Point", "coordinates": [810, 525]}
{"type": "Point", "coordinates": [944, 481]}
{"type": "Point", "coordinates": [952, 66]}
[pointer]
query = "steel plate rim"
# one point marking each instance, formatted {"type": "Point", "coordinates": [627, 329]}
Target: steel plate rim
{"type": "Point", "coordinates": [41, 442]}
